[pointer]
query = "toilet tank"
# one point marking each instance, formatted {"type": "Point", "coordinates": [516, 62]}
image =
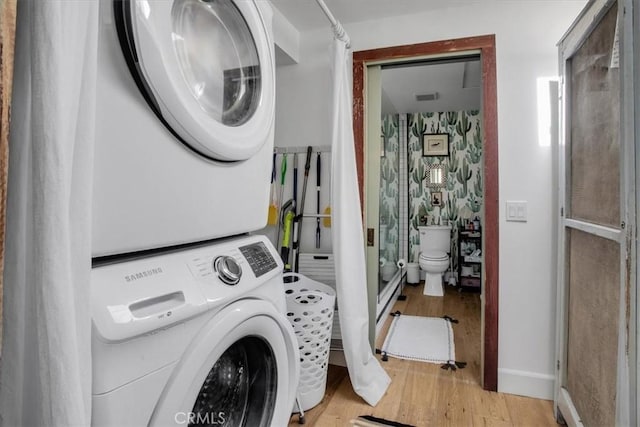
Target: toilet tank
{"type": "Point", "coordinates": [435, 238]}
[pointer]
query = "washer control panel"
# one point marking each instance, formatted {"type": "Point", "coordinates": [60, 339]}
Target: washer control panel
{"type": "Point", "coordinates": [228, 264]}
{"type": "Point", "coordinates": [259, 258]}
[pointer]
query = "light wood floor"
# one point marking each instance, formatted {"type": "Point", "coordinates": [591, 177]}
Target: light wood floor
{"type": "Point", "coordinates": [422, 394]}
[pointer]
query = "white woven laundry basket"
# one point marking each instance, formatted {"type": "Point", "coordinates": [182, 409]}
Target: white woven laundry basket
{"type": "Point", "coordinates": [310, 306]}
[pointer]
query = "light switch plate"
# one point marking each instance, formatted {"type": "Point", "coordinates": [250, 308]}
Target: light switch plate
{"type": "Point", "coordinates": [517, 211]}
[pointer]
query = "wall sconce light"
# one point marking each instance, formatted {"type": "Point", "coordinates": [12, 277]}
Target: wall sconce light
{"type": "Point", "coordinates": [383, 151]}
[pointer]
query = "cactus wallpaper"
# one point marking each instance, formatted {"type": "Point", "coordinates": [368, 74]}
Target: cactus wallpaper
{"type": "Point", "coordinates": [389, 195]}
{"type": "Point", "coordinates": [462, 195]}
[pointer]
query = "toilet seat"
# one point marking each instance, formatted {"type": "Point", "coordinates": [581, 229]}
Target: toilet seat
{"type": "Point", "coordinates": [434, 256]}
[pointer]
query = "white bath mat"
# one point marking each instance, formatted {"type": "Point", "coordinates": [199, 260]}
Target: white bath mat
{"type": "Point", "coordinates": [426, 339]}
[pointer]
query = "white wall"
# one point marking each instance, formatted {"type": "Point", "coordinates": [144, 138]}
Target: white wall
{"type": "Point", "coordinates": [526, 37]}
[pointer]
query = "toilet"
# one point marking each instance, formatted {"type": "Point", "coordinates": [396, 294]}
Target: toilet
{"type": "Point", "coordinates": [435, 242]}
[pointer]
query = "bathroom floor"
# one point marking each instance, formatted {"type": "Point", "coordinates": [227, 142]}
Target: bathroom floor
{"type": "Point", "coordinates": [422, 394]}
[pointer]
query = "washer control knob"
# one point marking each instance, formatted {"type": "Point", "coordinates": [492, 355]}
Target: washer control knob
{"type": "Point", "coordinates": [228, 269]}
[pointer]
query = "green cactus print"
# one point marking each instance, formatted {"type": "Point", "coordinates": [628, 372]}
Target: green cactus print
{"type": "Point", "coordinates": [474, 152]}
{"type": "Point", "coordinates": [473, 204]}
{"type": "Point", "coordinates": [453, 165]}
{"type": "Point", "coordinates": [451, 210]}
{"type": "Point", "coordinates": [384, 212]}
{"type": "Point", "coordinates": [464, 175]}
{"type": "Point", "coordinates": [452, 118]}
{"type": "Point", "coordinates": [388, 173]}
{"type": "Point", "coordinates": [462, 128]}
{"type": "Point", "coordinates": [464, 188]}
{"type": "Point", "coordinates": [451, 184]}
{"type": "Point", "coordinates": [388, 129]}
{"type": "Point", "coordinates": [389, 190]}
{"type": "Point", "coordinates": [418, 127]}
{"type": "Point", "coordinates": [417, 172]}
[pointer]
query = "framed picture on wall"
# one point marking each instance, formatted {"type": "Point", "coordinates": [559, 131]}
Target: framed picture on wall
{"type": "Point", "coordinates": [435, 144]}
{"type": "Point", "coordinates": [436, 198]}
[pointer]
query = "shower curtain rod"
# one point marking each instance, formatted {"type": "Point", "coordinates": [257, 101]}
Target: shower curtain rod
{"type": "Point", "coordinates": [338, 30]}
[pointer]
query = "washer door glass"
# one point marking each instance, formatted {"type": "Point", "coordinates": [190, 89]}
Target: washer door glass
{"type": "Point", "coordinates": [240, 389]}
{"type": "Point", "coordinates": [218, 58]}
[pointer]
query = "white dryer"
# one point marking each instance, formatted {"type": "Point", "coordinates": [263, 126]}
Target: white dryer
{"type": "Point", "coordinates": [185, 122]}
{"type": "Point", "coordinates": [194, 337]}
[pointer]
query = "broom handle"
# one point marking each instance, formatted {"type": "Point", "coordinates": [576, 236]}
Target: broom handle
{"type": "Point", "coordinates": [295, 182]}
{"type": "Point", "coordinates": [298, 221]}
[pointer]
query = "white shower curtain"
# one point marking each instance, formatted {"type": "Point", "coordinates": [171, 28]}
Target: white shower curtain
{"type": "Point", "coordinates": [368, 378]}
{"type": "Point", "coordinates": [45, 366]}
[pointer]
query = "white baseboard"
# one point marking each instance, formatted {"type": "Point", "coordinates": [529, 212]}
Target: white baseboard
{"type": "Point", "coordinates": [524, 383]}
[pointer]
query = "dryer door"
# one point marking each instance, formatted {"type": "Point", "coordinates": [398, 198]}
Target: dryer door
{"type": "Point", "coordinates": [241, 370]}
{"type": "Point", "coordinates": [206, 68]}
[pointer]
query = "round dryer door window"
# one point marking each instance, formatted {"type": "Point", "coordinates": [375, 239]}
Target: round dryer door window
{"type": "Point", "coordinates": [206, 69]}
{"type": "Point", "coordinates": [223, 74]}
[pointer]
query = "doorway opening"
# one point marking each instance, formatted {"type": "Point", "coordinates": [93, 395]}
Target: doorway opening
{"type": "Point", "coordinates": [427, 102]}
{"type": "Point", "coordinates": [484, 47]}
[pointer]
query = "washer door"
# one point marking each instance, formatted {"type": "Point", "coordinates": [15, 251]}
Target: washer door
{"type": "Point", "coordinates": [241, 370]}
{"type": "Point", "coordinates": [205, 68]}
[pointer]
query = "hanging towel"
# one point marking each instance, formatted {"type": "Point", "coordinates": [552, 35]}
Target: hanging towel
{"type": "Point", "coordinates": [45, 367]}
{"type": "Point", "coordinates": [369, 379]}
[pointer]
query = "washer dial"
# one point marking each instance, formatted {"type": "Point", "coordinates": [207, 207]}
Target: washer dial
{"type": "Point", "coordinates": [228, 269]}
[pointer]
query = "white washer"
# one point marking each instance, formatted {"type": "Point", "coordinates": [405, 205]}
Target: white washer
{"type": "Point", "coordinates": [185, 122]}
{"type": "Point", "coordinates": [176, 342]}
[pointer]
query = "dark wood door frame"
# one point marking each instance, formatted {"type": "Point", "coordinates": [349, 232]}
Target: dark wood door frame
{"type": "Point", "coordinates": [487, 47]}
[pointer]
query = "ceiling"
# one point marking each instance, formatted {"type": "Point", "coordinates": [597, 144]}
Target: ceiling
{"type": "Point", "coordinates": [457, 84]}
{"type": "Point", "coordinates": [306, 14]}
{"type": "Point", "coordinates": [454, 85]}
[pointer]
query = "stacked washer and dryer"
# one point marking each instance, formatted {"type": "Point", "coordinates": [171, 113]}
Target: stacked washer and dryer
{"type": "Point", "coordinates": [188, 308]}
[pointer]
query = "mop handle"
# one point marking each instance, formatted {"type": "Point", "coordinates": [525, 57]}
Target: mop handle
{"type": "Point", "coordinates": [307, 166]}
{"type": "Point", "coordinates": [283, 174]}
{"type": "Point", "coordinates": [318, 173]}
{"type": "Point", "coordinates": [283, 169]}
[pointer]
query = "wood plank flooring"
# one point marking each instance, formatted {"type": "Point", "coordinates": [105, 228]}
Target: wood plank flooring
{"type": "Point", "coordinates": [422, 394]}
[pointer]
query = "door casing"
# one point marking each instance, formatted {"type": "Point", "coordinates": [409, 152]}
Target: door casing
{"type": "Point", "coordinates": [486, 45]}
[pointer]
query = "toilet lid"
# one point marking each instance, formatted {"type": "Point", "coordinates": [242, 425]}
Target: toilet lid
{"type": "Point", "coordinates": [434, 255]}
